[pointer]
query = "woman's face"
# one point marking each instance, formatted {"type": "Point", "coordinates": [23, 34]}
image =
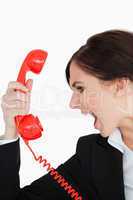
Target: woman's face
{"type": "Point", "coordinates": [103, 99]}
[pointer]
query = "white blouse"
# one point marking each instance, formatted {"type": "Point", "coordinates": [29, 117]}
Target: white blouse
{"type": "Point", "coordinates": [115, 139]}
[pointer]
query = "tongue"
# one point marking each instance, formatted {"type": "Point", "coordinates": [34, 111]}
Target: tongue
{"type": "Point", "coordinates": [97, 124]}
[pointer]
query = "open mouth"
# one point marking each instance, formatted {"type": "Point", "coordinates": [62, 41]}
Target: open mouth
{"type": "Point", "coordinates": [97, 123]}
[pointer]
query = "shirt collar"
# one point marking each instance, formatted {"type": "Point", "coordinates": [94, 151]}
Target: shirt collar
{"type": "Point", "coordinates": [115, 139]}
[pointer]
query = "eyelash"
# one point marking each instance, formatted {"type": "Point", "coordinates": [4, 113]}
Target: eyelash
{"type": "Point", "coordinates": [80, 89]}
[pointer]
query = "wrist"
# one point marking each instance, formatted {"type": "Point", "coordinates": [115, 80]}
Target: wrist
{"type": "Point", "coordinates": [10, 133]}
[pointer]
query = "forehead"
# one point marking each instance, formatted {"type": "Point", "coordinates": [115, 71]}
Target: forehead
{"type": "Point", "coordinates": [75, 69]}
{"type": "Point", "coordinates": [79, 75]}
{"type": "Point", "coordinates": [76, 73]}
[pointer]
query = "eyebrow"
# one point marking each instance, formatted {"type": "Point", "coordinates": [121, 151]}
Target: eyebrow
{"type": "Point", "coordinates": [75, 83]}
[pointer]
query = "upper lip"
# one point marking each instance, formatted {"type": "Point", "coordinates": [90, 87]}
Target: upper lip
{"type": "Point", "coordinates": [94, 115]}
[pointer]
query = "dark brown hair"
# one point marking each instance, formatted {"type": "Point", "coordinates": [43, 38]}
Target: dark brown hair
{"type": "Point", "coordinates": [107, 55]}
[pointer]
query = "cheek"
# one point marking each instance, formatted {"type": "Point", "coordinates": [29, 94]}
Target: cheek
{"type": "Point", "coordinates": [108, 111]}
{"type": "Point", "coordinates": [97, 103]}
{"type": "Point", "coordinates": [106, 105]}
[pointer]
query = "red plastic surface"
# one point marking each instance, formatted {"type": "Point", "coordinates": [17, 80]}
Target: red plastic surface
{"type": "Point", "coordinates": [33, 62]}
{"type": "Point", "coordinates": [28, 126]}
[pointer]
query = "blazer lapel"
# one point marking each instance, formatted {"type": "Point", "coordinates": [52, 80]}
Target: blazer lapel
{"type": "Point", "coordinates": [107, 171]}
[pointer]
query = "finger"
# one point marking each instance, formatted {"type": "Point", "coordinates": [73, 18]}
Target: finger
{"type": "Point", "coordinates": [15, 111]}
{"type": "Point", "coordinates": [29, 84]}
{"type": "Point", "coordinates": [14, 85]}
{"type": "Point", "coordinates": [22, 97]}
{"type": "Point", "coordinates": [12, 95]}
{"type": "Point", "coordinates": [13, 104]}
{"type": "Point", "coordinates": [12, 107]}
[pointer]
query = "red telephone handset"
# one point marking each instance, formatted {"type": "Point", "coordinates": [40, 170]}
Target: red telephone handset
{"type": "Point", "coordinates": [28, 126]}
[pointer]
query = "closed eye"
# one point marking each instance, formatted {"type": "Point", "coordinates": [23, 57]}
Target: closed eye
{"type": "Point", "coordinates": [80, 89]}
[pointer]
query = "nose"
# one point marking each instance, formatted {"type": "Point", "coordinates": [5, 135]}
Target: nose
{"type": "Point", "coordinates": [75, 101]}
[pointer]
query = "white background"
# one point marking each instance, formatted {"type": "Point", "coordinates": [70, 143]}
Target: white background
{"type": "Point", "coordinates": [59, 27]}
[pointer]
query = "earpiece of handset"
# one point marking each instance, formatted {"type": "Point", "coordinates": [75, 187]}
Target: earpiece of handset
{"type": "Point", "coordinates": [28, 126]}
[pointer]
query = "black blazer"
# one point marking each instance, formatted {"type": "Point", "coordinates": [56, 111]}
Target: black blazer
{"type": "Point", "coordinates": [95, 171]}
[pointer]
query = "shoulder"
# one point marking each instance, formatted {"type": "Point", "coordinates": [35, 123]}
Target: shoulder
{"type": "Point", "coordinates": [90, 142]}
{"type": "Point", "coordinates": [88, 139]}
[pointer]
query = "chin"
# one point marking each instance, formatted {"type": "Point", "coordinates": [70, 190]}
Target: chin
{"type": "Point", "coordinates": [106, 132]}
{"type": "Point", "coordinates": [103, 134]}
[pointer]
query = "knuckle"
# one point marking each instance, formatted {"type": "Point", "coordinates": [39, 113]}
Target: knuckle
{"type": "Point", "coordinates": [21, 86]}
{"type": "Point", "coordinates": [17, 95]}
{"type": "Point", "coordinates": [21, 96]}
{"type": "Point", "coordinates": [17, 85]}
{"type": "Point", "coordinates": [11, 84]}
{"type": "Point", "coordinates": [28, 97]}
{"type": "Point", "coordinates": [4, 105]}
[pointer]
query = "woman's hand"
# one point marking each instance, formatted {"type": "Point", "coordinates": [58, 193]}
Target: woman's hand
{"type": "Point", "coordinates": [16, 101]}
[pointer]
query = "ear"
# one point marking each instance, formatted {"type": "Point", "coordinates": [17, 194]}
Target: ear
{"type": "Point", "coordinates": [121, 87]}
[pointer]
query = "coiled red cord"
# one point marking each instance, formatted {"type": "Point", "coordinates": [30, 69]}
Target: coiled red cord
{"type": "Point", "coordinates": [56, 176]}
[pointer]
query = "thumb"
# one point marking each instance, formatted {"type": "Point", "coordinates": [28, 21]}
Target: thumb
{"type": "Point", "coordinates": [29, 84]}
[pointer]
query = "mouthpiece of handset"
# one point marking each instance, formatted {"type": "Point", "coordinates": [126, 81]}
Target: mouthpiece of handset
{"type": "Point", "coordinates": [28, 126]}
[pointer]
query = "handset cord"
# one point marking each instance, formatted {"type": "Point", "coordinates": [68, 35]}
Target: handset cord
{"type": "Point", "coordinates": [55, 174]}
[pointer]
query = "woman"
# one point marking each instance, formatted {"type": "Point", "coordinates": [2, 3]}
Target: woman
{"type": "Point", "coordinates": [100, 74]}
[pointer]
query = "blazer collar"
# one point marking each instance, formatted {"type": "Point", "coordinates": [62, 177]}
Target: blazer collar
{"type": "Point", "coordinates": [107, 170]}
